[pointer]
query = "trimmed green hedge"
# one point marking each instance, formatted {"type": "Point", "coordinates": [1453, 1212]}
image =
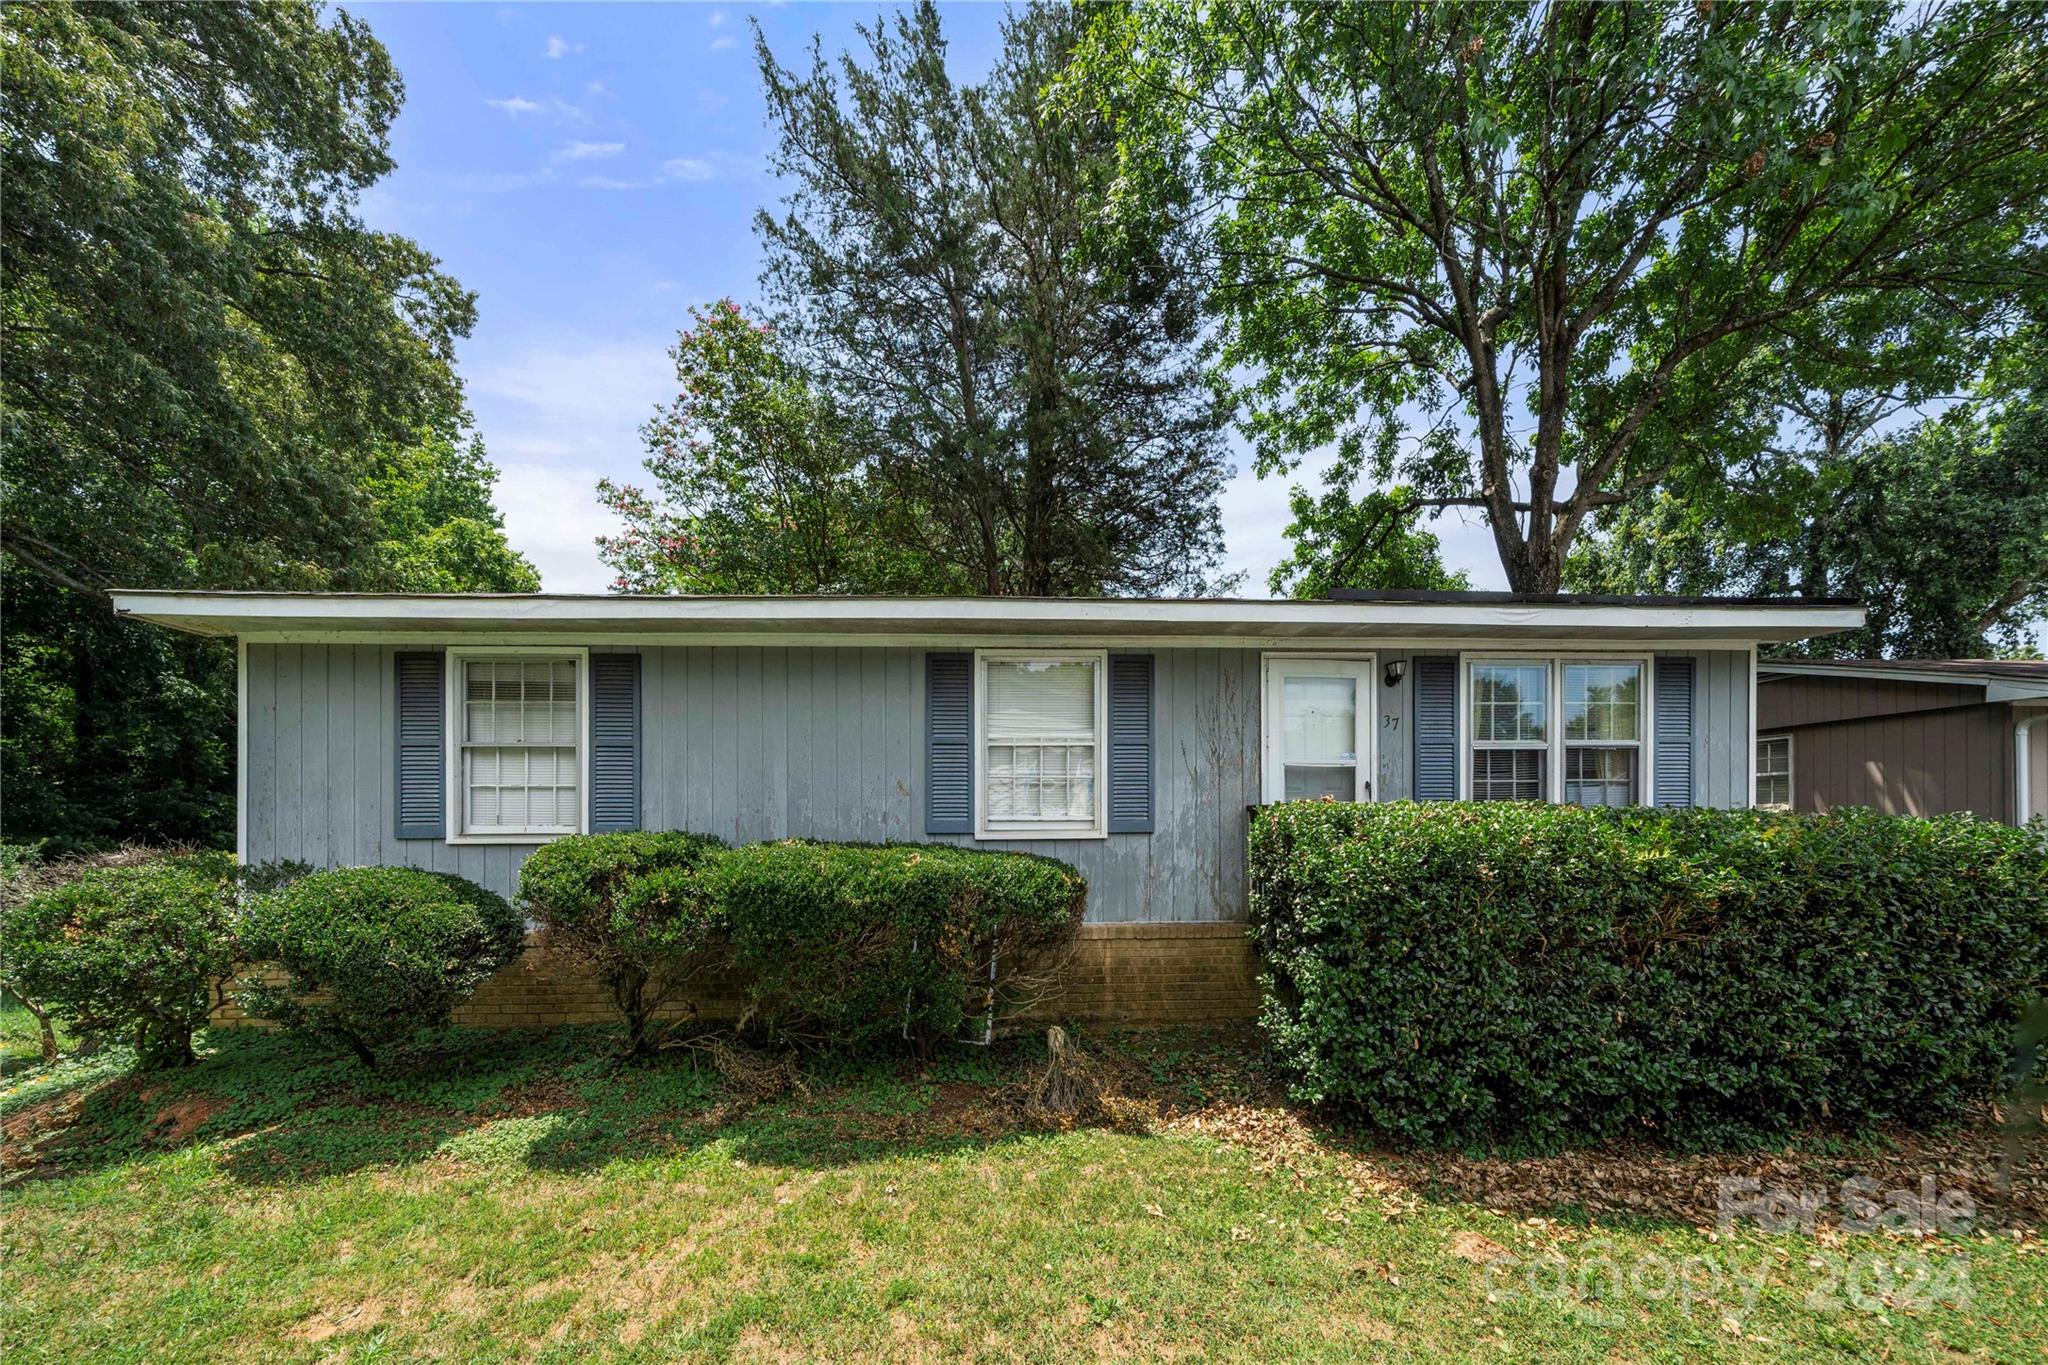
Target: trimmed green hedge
{"type": "Point", "coordinates": [372, 955]}
{"type": "Point", "coordinates": [1527, 976]}
{"type": "Point", "coordinates": [850, 943]}
{"type": "Point", "coordinates": [628, 908]}
{"type": "Point", "coordinates": [133, 950]}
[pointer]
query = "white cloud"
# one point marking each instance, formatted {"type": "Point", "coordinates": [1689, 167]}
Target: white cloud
{"type": "Point", "coordinates": [709, 101]}
{"type": "Point", "coordinates": [519, 105]}
{"type": "Point", "coordinates": [596, 89]}
{"type": "Point", "coordinates": [555, 419]}
{"type": "Point", "coordinates": [689, 168]}
{"type": "Point", "coordinates": [717, 18]}
{"type": "Point", "coordinates": [675, 170]}
{"type": "Point", "coordinates": [553, 517]}
{"type": "Point", "coordinates": [558, 48]}
{"type": "Point", "coordinates": [589, 151]}
{"type": "Point", "coordinates": [724, 41]}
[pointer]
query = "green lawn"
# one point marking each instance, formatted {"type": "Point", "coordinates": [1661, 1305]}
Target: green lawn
{"type": "Point", "coordinates": [518, 1197]}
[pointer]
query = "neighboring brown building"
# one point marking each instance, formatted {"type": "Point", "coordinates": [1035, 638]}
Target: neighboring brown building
{"type": "Point", "coordinates": [1906, 736]}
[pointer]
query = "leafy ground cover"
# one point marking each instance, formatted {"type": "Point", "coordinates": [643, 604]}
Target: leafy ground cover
{"type": "Point", "coordinates": [519, 1196]}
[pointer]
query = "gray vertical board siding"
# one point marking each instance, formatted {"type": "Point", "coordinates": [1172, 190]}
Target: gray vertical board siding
{"type": "Point", "coordinates": [828, 742]}
{"type": "Point", "coordinates": [1721, 753]}
{"type": "Point", "coordinates": [1394, 723]}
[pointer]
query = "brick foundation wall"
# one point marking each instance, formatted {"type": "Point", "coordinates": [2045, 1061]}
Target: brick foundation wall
{"type": "Point", "coordinates": [1118, 974]}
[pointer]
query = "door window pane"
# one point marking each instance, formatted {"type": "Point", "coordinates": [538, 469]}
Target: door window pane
{"type": "Point", "coordinates": [1307, 782]}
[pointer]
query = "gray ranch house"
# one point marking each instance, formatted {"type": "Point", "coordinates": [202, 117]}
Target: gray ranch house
{"type": "Point", "coordinates": [1127, 737]}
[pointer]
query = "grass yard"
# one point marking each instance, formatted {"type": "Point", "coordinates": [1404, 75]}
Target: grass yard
{"type": "Point", "coordinates": [519, 1197]}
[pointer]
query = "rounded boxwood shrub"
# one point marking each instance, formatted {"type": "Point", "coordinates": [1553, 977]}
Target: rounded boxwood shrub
{"type": "Point", "coordinates": [626, 907]}
{"type": "Point", "coordinates": [843, 944]}
{"type": "Point", "coordinates": [137, 950]}
{"type": "Point", "coordinates": [372, 955]}
{"type": "Point", "coordinates": [1525, 976]}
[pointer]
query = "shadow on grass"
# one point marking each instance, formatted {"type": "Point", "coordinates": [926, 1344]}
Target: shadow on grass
{"type": "Point", "coordinates": [278, 1111]}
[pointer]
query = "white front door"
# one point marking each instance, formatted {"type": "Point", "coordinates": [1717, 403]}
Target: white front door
{"type": "Point", "coordinates": [1318, 729]}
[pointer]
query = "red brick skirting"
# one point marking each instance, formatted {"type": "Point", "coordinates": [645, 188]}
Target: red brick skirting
{"type": "Point", "coordinates": [1117, 974]}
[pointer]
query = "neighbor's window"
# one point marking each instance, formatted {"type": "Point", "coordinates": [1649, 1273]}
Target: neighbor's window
{"type": "Point", "coordinates": [1510, 731]}
{"type": "Point", "coordinates": [1774, 771]}
{"type": "Point", "coordinates": [1041, 744]}
{"type": "Point", "coordinates": [1603, 733]}
{"type": "Point", "coordinates": [518, 729]}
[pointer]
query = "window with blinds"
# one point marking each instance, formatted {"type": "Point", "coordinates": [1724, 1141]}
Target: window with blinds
{"type": "Point", "coordinates": [519, 732]}
{"type": "Point", "coordinates": [1557, 729]}
{"type": "Point", "coordinates": [1510, 731]}
{"type": "Point", "coordinates": [1041, 743]}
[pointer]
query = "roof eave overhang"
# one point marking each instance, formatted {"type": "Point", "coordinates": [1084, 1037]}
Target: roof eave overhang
{"type": "Point", "coordinates": [769, 619]}
{"type": "Point", "coordinates": [1997, 687]}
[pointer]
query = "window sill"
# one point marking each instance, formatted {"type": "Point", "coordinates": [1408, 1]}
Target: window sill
{"type": "Point", "coordinates": [1037, 834]}
{"type": "Point", "coordinates": [460, 839]}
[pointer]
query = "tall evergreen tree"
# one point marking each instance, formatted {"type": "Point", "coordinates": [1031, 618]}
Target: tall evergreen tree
{"type": "Point", "coordinates": [1032, 398]}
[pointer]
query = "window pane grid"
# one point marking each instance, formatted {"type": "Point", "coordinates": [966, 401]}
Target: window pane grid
{"type": "Point", "coordinates": [1774, 771]}
{"type": "Point", "coordinates": [519, 746]}
{"type": "Point", "coordinates": [1508, 774]}
{"type": "Point", "coordinates": [1042, 782]}
{"type": "Point", "coordinates": [1039, 743]}
{"type": "Point", "coordinates": [1510, 703]}
{"type": "Point", "coordinates": [1603, 701]}
{"type": "Point", "coordinates": [1600, 776]}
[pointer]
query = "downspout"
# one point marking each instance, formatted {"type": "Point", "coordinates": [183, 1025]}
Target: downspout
{"type": "Point", "coordinates": [2023, 761]}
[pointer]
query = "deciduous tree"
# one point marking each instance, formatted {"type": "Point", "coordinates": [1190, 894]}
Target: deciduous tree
{"type": "Point", "coordinates": [1561, 244]}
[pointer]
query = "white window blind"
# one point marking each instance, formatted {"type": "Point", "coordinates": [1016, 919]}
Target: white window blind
{"type": "Point", "coordinates": [520, 761]}
{"type": "Point", "coordinates": [1040, 733]}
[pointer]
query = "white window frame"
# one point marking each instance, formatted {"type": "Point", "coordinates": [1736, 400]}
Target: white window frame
{"type": "Point", "coordinates": [1272, 764]}
{"type": "Point", "coordinates": [1018, 830]}
{"type": "Point", "coordinates": [1757, 765]}
{"type": "Point", "coordinates": [1555, 743]}
{"type": "Point", "coordinates": [456, 724]}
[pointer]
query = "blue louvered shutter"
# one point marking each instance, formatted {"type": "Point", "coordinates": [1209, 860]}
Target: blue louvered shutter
{"type": "Point", "coordinates": [949, 744]}
{"type": "Point", "coordinates": [1436, 726]}
{"type": "Point", "coordinates": [422, 805]}
{"type": "Point", "coordinates": [1130, 744]}
{"type": "Point", "coordinates": [614, 742]}
{"type": "Point", "coordinates": [1671, 784]}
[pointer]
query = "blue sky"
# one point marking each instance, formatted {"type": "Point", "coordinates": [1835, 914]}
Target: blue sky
{"type": "Point", "coordinates": [591, 171]}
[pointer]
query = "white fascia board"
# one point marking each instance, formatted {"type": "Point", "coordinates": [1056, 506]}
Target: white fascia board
{"type": "Point", "coordinates": [762, 618]}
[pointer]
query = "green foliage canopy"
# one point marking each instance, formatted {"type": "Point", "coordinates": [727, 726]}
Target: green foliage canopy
{"type": "Point", "coordinates": [761, 483]}
{"type": "Point", "coordinates": [212, 374]}
{"type": "Point", "coordinates": [1562, 244]}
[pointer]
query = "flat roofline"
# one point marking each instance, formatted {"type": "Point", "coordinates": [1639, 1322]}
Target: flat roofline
{"type": "Point", "coordinates": [411, 615]}
{"type": "Point", "coordinates": [1999, 678]}
{"type": "Point", "coordinates": [1576, 599]}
